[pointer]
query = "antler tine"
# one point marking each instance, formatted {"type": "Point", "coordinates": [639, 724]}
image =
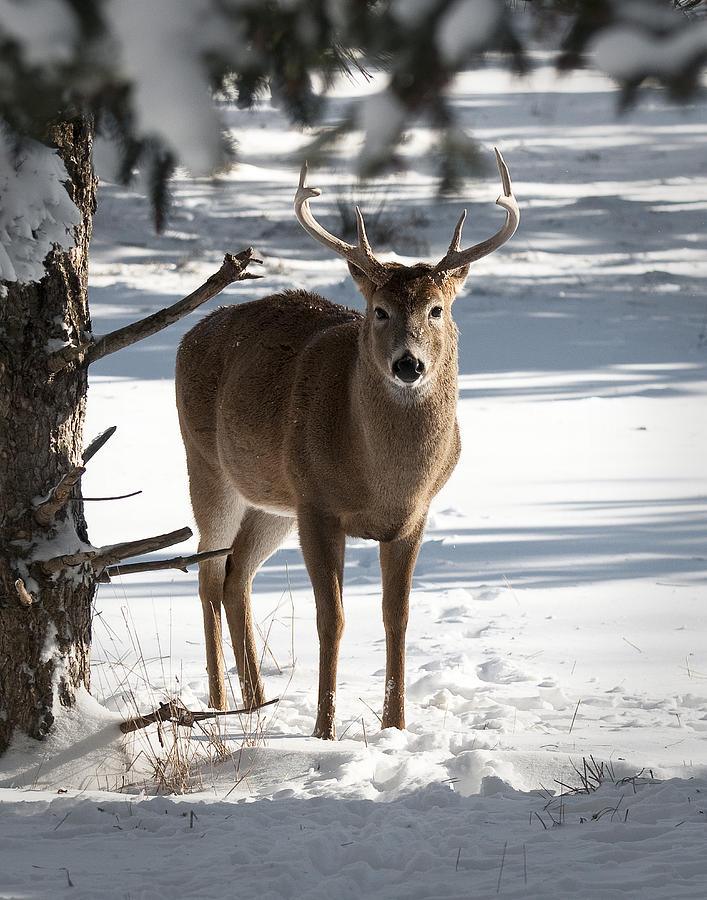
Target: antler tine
{"type": "Point", "coordinates": [362, 256]}
{"type": "Point", "coordinates": [505, 174]}
{"type": "Point", "coordinates": [313, 192]}
{"type": "Point", "coordinates": [456, 258]}
{"type": "Point", "coordinates": [361, 229]}
{"type": "Point", "coordinates": [456, 237]}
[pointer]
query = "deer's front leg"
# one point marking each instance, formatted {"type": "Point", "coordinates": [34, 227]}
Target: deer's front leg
{"type": "Point", "coordinates": [322, 541]}
{"type": "Point", "coordinates": [397, 564]}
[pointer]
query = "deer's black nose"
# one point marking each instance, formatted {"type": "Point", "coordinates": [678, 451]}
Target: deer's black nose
{"type": "Point", "coordinates": [408, 368]}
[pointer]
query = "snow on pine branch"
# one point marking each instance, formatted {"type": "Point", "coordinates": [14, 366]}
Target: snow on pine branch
{"type": "Point", "coordinates": [162, 48]}
{"type": "Point", "coordinates": [36, 212]}
{"type": "Point", "coordinates": [44, 30]}
{"type": "Point", "coordinates": [626, 52]}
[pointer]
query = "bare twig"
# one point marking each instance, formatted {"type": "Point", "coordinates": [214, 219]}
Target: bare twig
{"type": "Point", "coordinates": [173, 711]}
{"type": "Point", "coordinates": [631, 644]}
{"type": "Point", "coordinates": [574, 716]}
{"type": "Point", "coordinates": [98, 442]}
{"type": "Point", "coordinates": [117, 497]}
{"type": "Point", "coordinates": [542, 822]}
{"type": "Point", "coordinates": [500, 871]}
{"type": "Point", "coordinates": [371, 709]}
{"type": "Point", "coordinates": [103, 557]}
{"type": "Point", "coordinates": [176, 562]}
{"type": "Point", "coordinates": [58, 497]}
{"type": "Point", "coordinates": [232, 269]}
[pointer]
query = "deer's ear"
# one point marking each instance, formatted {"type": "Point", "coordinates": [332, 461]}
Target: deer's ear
{"type": "Point", "coordinates": [457, 277]}
{"type": "Point", "coordinates": [363, 282]}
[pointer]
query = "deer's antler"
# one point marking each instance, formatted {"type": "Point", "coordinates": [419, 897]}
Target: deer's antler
{"type": "Point", "coordinates": [361, 256]}
{"type": "Point", "coordinates": [456, 258]}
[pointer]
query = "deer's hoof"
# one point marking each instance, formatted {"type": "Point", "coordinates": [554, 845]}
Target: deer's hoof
{"type": "Point", "coordinates": [326, 731]}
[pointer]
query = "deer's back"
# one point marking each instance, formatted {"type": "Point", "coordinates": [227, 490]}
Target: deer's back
{"type": "Point", "coordinates": [234, 377]}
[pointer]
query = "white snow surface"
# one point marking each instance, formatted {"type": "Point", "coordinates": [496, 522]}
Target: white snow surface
{"type": "Point", "coordinates": [558, 606]}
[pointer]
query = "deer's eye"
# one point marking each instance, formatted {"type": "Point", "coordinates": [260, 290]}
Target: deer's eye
{"type": "Point", "coordinates": [380, 314]}
{"type": "Point", "coordinates": [436, 312]}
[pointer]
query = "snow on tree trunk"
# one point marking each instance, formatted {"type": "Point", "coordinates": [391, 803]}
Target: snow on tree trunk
{"type": "Point", "coordinates": [45, 622]}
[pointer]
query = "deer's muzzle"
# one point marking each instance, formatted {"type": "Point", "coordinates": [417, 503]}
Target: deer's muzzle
{"type": "Point", "coordinates": [408, 368]}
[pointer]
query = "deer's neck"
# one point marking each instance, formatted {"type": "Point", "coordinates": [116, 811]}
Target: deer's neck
{"type": "Point", "coordinates": [407, 433]}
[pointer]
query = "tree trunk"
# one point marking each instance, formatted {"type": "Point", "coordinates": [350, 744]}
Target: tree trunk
{"type": "Point", "coordinates": [45, 622]}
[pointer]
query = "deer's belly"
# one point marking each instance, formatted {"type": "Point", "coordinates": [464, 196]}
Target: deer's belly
{"type": "Point", "coordinates": [375, 528]}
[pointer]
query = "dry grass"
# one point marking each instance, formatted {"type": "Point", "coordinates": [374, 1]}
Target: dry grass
{"type": "Point", "coordinates": [168, 757]}
{"type": "Point", "coordinates": [591, 775]}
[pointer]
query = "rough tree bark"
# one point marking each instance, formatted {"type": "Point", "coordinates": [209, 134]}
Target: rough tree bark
{"type": "Point", "coordinates": [45, 621]}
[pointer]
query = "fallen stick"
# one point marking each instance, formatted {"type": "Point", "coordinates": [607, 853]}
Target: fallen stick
{"type": "Point", "coordinates": [174, 712]}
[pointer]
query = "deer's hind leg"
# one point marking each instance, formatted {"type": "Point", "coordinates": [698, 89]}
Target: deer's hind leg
{"type": "Point", "coordinates": [259, 535]}
{"type": "Point", "coordinates": [218, 510]}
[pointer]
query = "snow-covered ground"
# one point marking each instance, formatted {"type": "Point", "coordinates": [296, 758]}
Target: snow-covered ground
{"type": "Point", "coordinates": [558, 619]}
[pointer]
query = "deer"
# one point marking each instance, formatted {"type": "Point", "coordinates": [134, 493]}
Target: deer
{"type": "Point", "coordinates": [296, 411]}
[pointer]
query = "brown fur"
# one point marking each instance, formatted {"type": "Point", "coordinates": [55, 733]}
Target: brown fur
{"type": "Point", "coordinates": [289, 412]}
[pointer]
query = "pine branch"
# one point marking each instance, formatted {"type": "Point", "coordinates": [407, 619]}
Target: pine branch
{"type": "Point", "coordinates": [233, 269]}
{"type": "Point", "coordinates": [176, 562]}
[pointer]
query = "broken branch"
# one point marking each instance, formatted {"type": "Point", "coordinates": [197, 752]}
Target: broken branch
{"type": "Point", "coordinates": [232, 269]}
{"type": "Point", "coordinates": [64, 357]}
{"type": "Point", "coordinates": [176, 562]}
{"type": "Point", "coordinates": [26, 599]}
{"type": "Point", "coordinates": [97, 443]}
{"type": "Point", "coordinates": [110, 555]}
{"type": "Point", "coordinates": [58, 496]}
{"type": "Point", "coordinates": [102, 557]}
{"type": "Point", "coordinates": [174, 712]}
{"type": "Point", "coordinates": [57, 563]}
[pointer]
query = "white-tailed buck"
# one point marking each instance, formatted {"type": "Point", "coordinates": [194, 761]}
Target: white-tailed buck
{"type": "Point", "coordinates": [297, 411]}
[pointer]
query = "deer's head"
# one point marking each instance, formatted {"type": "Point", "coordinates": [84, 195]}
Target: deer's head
{"type": "Point", "coordinates": [408, 329]}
